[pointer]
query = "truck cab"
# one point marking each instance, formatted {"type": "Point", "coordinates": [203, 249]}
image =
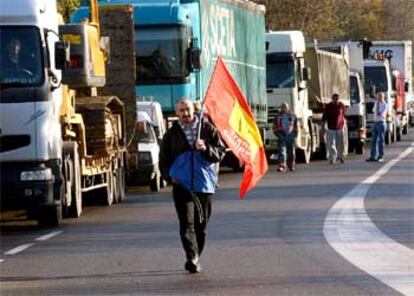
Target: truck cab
{"type": "Point", "coordinates": [356, 117]}
{"type": "Point", "coordinates": [30, 99]}
{"type": "Point", "coordinates": [148, 149]}
{"type": "Point", "coordinates": [378, 78]}
{"type": "Point", "coordinates": [167, 41]}
{"type": "Point", "coordinates": [286, 77]}
{"type": "Point", "coordinates": [149, 130]}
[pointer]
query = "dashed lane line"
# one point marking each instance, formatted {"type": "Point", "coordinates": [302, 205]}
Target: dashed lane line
{"type": "Point", "coordinates": [23, 247]}
{"type": "Point", "coordinates": [18, 249]}
{"type": "Point", "coordinates": [48, 236]}
{"type": "Point", "coordinates": [351, 233]}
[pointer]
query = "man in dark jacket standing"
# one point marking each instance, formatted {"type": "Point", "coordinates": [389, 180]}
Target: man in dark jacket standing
{"type": "Point", "coordinates": [334, 114]}
{"type": "Point", "coordinates": [181, 152]}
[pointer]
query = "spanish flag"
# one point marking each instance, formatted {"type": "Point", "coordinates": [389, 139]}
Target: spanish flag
{"type": "Point", "coordinates": [234, 120]}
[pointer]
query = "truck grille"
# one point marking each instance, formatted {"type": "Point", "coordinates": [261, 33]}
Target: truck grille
{"type": "Point", "coordinates": [8, 143]}
{"type": "Point", "coordinates": [354, 122]}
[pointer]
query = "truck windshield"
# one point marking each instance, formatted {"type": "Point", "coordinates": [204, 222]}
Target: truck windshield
{"type": "Point", "coordinates": [20, 57]}
{"type": "Point", "coordinates": [375, 76]}
{"type": "Point", "coordinates": [280, 74]}
{"type": "Point", "coordinates": [160, 54]}
{"type": "Point", "coordinates": [354, 90]}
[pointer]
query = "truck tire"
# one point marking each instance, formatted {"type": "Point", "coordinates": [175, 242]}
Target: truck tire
{"type": "Point", "coordinates": [388, 138]}
{"type": "Point", "coordinates": [155, 184]}
{"type": "Point", "coordinates": [107, 193]}
{"type": "Point", "coordinates": [399, 134]}
{"type": "Point", "coordinates": [359, 148]}
{"type": "Point", "coordinates": [75, 209]}
{"type": "Point", "coordinates": [304, 155]}
{"type": "Point", "coordinates": [405, 129]}
{"type": "Point", "coordinates": [50, 216]}
{"type": "Point", "coordinates": [121, 183]}
{"type": "Point", "coordinates": [351, 146]}
{"type": "Point", "coordinates": [394, 135]}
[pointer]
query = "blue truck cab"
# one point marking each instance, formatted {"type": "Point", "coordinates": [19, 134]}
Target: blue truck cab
{"type": "Point", "coordinates": [177, 43]}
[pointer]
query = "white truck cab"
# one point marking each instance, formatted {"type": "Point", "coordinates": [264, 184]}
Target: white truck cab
{"type": "Point", "coordinates": [377, 76]}
{"type": "Point", "coordinates": [286, 77]}
{"type": "Point", "coordinates": [150, 129]}
{"type": "Point", "coordinates": [30, 100]}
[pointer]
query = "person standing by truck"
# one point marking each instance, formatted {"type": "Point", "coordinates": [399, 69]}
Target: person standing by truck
{"type": "Point", "coordinates": [334, 115]}
{"type": "Point", "coordinates": [285, 128]}
{"type": "Point", "coordinates": [193, 205]}
{"type": "Point", "coordinates": [378, 131]}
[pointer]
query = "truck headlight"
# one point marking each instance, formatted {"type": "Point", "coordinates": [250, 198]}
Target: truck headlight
{"type": "Point", "coordinates": [41, 174]}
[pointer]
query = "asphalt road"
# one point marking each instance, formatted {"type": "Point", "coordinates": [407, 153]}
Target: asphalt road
{"type": "Point", "coordinates": [284, 238]}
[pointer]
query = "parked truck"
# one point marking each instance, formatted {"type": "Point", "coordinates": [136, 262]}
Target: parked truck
{"type": "Point", "coordinates": [306, 78]}
{"type": "Point", "coordinates": [399, 54]}
{"type": "Point", "coordinates": [178, 43]}
{"type": "Point", "coordinates": [59, 140]}
{"type": "Point", "coordinates": [378, 78]}
{"type": "Point", "coordinates": [356, 115]}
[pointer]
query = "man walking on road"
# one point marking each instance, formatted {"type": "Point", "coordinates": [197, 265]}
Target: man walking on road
{"type": "Point", "coordinates": [378, 131]}
{"type": "Point", "coordinates": [334, 115]}
{"type": "Point", "coordinates": [285, 128]}
{"type": "Point", "coordinates": [186, 150]}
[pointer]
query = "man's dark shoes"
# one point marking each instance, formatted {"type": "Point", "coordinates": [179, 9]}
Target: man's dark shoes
{"type": "Point", "coordinates": [371, 159]}
{"type": "Point", "coordinates": [193, 266]}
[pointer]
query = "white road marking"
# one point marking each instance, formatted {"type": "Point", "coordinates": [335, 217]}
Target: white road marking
{"type": "Point", "coordinates": [48, 236]}
{"type": "Point", "coordinates": [18, 249]}
{"type": "Point", "coordinates": [351, 233]}
{"type": "Point", "coordinates": [1, 260]}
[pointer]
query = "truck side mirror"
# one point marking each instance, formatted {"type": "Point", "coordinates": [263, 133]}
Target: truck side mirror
{"type": "Point", "coordinates": [195, 59]}
{"type": "Point", "coordinates": [306, 74]}
{"type": "Point", "coordinates": [62, 55]}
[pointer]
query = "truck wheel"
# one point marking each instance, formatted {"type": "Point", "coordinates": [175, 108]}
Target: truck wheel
{"type": "Point", "coordinates": [394, 136]}
{"type": "Point", "coordinates": [50, 216]}
{"type": "Point", "coordinates": [351, 147]}
{"type": "Point", "coordinates": [405, 129]}
{"type": "Point", "coordinates": [107, 192]}
{"type": "Point", "coordinates": [75, 208]}
{"type": "Point", "coordinates": [121, 184]}
{"type": "Point", "coordinates": [399, 134]}
{"type": "Point", "coordinates": [304, 155]}
{"type": "Point", "coordinates": [155, 184]}
{"type": "Point", "coordinates": [388, 137]}
{"type": "Point", "coordinates": [359, 148]}
{"type": "Point", "coordinates": [116, 185]}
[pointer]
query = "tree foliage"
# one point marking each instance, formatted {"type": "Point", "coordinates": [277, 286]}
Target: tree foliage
{"type": "Point", "coordinates": [66, 7]}
{"type": "Point", "coordinates": [328, 20]}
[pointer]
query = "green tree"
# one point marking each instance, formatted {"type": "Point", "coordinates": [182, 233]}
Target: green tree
{"type": "Point", "coordinates": [66, 7]}
{"type": "Point", "coordinates": [328, 20]}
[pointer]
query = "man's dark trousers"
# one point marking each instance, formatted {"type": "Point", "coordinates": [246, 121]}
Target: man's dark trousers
{"type": "Point", "coordinates": [192, 231]}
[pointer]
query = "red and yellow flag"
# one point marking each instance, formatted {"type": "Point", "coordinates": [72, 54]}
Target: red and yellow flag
{"type": "Point", "coordinates": [233, 118]}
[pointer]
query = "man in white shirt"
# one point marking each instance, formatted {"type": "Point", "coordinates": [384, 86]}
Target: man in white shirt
{"type": "Point", "coordinates": [378, 131]}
